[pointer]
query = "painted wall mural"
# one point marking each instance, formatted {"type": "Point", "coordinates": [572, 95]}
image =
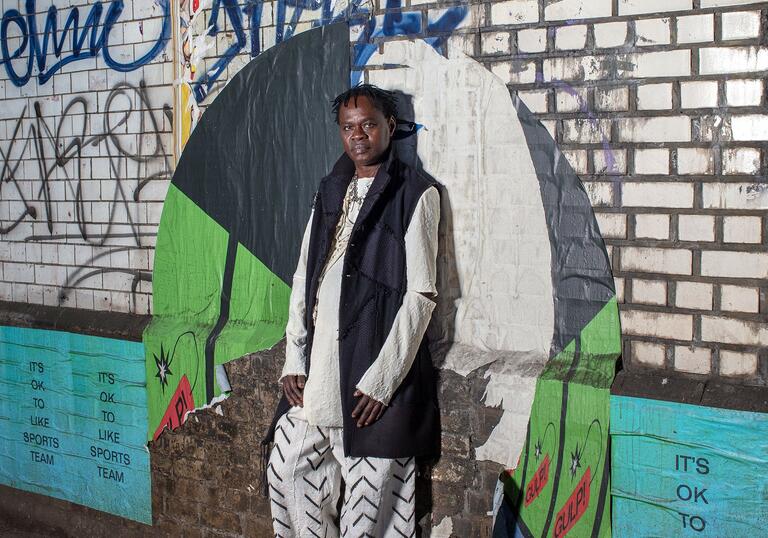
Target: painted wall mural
{"type": "Point", "coordinates": [525, 286]}
{"type": "Point", "coordinates": [73, 419]}
{"type": "Point", "coordinates": [234, 217]}
{"type": "Point", "coordinates": [255, 26]}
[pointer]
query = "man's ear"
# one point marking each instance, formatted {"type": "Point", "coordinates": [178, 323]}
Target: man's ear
{"type": "Point", "coordinates": [392, 125]}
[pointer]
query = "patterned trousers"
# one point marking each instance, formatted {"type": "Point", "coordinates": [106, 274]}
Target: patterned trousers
{"type": "Point", "coordinates": [305, 470]}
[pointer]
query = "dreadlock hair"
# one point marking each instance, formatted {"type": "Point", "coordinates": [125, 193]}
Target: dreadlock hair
{"type": "Point", "coordinates": [383, 100]}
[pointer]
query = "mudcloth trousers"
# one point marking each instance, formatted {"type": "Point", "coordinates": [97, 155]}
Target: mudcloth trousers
{"type": "Point", "coordinates": [305, 470]}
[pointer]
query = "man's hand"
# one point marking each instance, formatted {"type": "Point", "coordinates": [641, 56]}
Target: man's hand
{"type": "Point", "coordinates": [293, 388]}
{"type": "Point", "coordinates": [367, 411]}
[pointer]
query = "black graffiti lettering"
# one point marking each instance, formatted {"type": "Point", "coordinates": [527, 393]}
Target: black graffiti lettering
{"type": "Point", "coordinates": [693, 522]}
{"type": "Point", "coordinates": [107, 377]}
{"type": "Point", "coordinates": [109, 435]}
{"type": "Point", "coordinates": [180, 407]}
{"type": "Point", "coordinates": [59, 156]}
{"type": "Point", "coordinates": [111, 474]}
{"type": "Point", "coordinates": [682, 460]}
{"type": "Point", "coordinates": [39, 403]}
{"type": "Point", "coordinates": [41, 457]}
{"type": "Point", "coordinates": [685, 493]}
{"type": "Point", "coordinates": [107, 416]}
{"type": "Point", "coordinates": [107, 397]}
{"type": "Point", "coordinates": [37, 385]}
{"type": "Point", "coordinates": [36, 367]}
{"type": "Point", "coordinates": [702, 465]}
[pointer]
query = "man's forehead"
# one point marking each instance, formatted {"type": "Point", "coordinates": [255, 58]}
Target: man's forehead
{"type": "Point", "coordinates": [359, 105]}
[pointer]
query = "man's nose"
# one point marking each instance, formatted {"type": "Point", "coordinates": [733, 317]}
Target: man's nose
{"type": "Point", "coordinates": [358, 132]}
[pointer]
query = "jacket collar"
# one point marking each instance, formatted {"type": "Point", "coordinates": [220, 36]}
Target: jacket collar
{"type": "Point", "coordinates": [342, 174]}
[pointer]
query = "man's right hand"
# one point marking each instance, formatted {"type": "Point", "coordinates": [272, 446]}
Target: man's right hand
{"type": "Point", "coordinates": [293, 388]}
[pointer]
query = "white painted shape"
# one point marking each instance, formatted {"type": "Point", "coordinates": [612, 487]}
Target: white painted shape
{"type": "Point", "coordinates": [495, 297]}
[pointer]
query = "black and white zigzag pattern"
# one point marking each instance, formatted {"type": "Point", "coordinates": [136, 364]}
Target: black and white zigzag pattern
{"type": "Point", "coordinates": [305, 468]}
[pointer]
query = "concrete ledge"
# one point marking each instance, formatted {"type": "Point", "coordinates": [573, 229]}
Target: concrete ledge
{"type": "Point", "coordinates": [90, 322]}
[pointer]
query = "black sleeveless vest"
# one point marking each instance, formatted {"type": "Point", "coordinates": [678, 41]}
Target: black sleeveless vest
{"type": "Point", "coordinates": [374, 282]}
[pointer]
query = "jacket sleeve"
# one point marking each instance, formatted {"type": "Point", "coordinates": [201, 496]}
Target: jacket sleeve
{"type": "Point", "coordinates": [296, 330]}
{"type": "Point", "coordinates": [399, 350]}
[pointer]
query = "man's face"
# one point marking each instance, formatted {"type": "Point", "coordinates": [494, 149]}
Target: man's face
{"type": "Point", "coordinates": [364, 131]}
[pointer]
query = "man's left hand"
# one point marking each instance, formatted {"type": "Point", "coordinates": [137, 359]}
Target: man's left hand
{"type": "Point", "coordinates": [367, 411]}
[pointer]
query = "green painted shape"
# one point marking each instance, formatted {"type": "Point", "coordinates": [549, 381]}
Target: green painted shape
{"type": "Point", "coordinates": [187, 280]}
{"type": "Point", "coordinates": [188, 271]}
{"type": "Point", "coordinates": [258, 309]}
{"type": "Point", "coordinates": [588, 403]}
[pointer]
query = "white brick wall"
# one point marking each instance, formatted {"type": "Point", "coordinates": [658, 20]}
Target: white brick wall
{"type": "Point", "coordinates": [671, 93]}
{"type": "Point", "coordinates": [51, 262]}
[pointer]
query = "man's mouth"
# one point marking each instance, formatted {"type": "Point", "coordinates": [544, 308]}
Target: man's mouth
{"type": "Point", "coordinates": [360, 148]}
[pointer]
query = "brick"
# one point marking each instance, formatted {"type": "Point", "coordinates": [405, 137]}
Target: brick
{"type": "Point", "coordinates": [612, 225]}
{"type": "Point", "coordinates": [735, 196]}
{"type": "Point", "coordinates": [600, 193]}
{"type": "Point", "coordinates": [586, 131]}
{"type": "Point", "coordinates": [619, 285]}
{"type": "Point", "coordinates": [577, 159]}
{"type": "Point", "coordinates": [696, 29]}
{"type": "Point", "coordinates": [733, 363]}
{"type": "Point", "coordinates": [750, 127]}
{"type": "Point", "coordinates": [515, 72]}
{"type": "Point", "coordinates": [611, 99]}
{"type": "Point", "coordinates": [576, 68]}
{"type": "Point", "coordinates": [662, 129]}
{"type": "Point", "coordinates": [734, 264]}
{"type": "Point", "coordinates": [637, 7]}
{"type": "Point", "coordinates": [696, 295]}
{"type": "Point", "coordinates": [698, 94]}
{"type": "Point", "coordinates": [652, 226]}
{"type": "Point", "coordinates": [515, 12]}
{"type": "Point", "coordinates": [744, 92]}
{"type": "Point", "coordinates": [739, 299]}
{"type": "Point", "coordinates": [742, 229]}
{"type": "Point", "coordinates": [657, 324]}
{"type": "Point", "coordinates": [571, 100]}
{"type": "Point", "coordinates": [535, 100]}
{"type": "Point", "coordinates": [495, 43]}
{"type": "Point", "coordinates": [532, 40]}
{"type": "Point", "coordinates": [656, 260]}
{"type": "Point", "coordinates": [648, 354]}
{"type": "Point", "coordinates": [577, 9]}
{"type": "Point", "coordinates": [741, 161]}
{"type": "Point", "coordinates": [654, 96]}
{"type": "Point", "coordinates": [649, 291]}
{"type": "Point", "coordinates": [652, 161]}
{"type": "Point", "coordinates": [725, 60]}
{"type": "Point", "coordinates": [610, 34]}
{"type": "Point", "coordinates": [694, 360]}
{"type": "Point", "coordinates": [740, 25]}
{"type": "Point", "coordinates": [571, 37]}
{"type": "Point", "coordinates": [694, 161]}
{"type": "Point", "coordinates": [733, 331]}
{"type": "Point", "coordinates": [696, 228]}
{"type": "Point", "coordinates": [611, 161]}
{"type": "Point", "coordinates": [673, 63]}
{"type": "Point", "coordinates": [652, 32]}
{"type": "Point", "coordinates": [657, 194]}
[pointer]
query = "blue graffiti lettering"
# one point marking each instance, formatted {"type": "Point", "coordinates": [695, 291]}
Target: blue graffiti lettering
{"type": "Point", "coordinates": [393, 23]}
{"type": "Point", "coordinates": [85, 41]}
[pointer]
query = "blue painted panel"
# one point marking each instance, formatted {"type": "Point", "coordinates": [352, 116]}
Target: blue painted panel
{"type": "Point", "coordinates": [73, 419]}
{"type": "Point", "coordinates": [688, 470]}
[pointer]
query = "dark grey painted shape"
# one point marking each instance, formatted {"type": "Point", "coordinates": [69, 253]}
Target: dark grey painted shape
{"type": "Point", "coordinates": [581, 273]}
{"type": "Point", "coordinates": [255, 160]}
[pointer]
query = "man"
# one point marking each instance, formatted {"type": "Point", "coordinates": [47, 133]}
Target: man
{"type": "Point", "coordinates": [360, 305]}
